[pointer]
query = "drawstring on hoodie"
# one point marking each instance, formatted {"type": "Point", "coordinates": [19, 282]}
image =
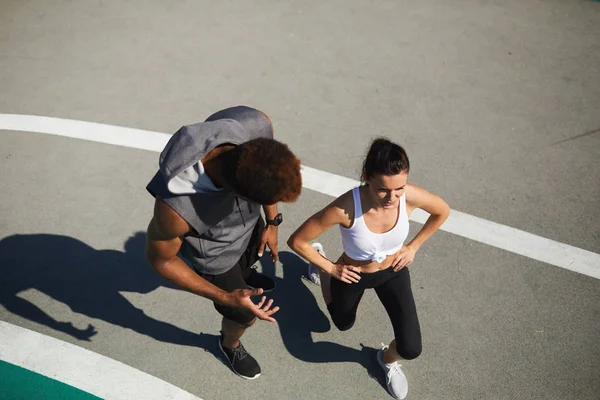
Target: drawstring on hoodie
{"type": "Point", "coordinates": [237, 201]}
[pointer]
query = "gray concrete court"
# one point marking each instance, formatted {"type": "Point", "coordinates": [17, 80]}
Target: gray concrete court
{"type": "Point", "coordinates": [496, 102]}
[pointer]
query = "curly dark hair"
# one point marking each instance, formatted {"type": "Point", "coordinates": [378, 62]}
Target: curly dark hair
{"type": "Point", "coordinates": [263, 170]}
{"type": "Point", "coordinates": [385, 158]}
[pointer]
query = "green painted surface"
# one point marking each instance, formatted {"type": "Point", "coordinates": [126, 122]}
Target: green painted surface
{"type": "Point", "coordinates": [18, 383]}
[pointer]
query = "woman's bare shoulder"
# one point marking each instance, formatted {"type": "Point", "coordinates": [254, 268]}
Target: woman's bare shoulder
{"type": "Point", "coordinates": [343, 208]}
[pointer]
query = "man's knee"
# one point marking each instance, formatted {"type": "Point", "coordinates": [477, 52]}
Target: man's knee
{"type": "Point", "coordinates": [242, 323]}
{"type": "Point", "coordinates": [249, 323]}
{"type": "Point", "coordinates": [235, 315]}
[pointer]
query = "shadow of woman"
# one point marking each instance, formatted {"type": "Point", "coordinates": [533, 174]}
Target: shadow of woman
{"type": "Point", "coordinates": [89, 282]}
{"type": "Point", "coordinates": [300, 315]}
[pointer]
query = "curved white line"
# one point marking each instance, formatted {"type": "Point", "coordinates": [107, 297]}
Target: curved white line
{"type": "Point", "coordinates": [81, 368]}
{"type": "Point", "coordinates": [465, 225]}
{"type": "Point", "coordinates": [102, 133]}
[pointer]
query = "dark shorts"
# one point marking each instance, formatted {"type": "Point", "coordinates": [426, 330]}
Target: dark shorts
{"type": "Point", "coordinates": [235, 277]}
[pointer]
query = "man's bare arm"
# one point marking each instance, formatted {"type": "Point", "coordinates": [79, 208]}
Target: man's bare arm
{"type": "Point", "coordinates": [163, 242]}
{"type": "Point", "coordinates": [270, 236]}
{"type": "Point", "coordinates": [162, 245]}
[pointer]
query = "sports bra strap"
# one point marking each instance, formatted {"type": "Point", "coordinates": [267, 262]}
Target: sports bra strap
{"type": "Point", "coordinates": [357, 204]}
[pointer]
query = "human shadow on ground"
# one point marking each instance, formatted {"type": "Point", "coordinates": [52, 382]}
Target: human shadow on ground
{"type": "Point", "coordinates": [300, 316]}
{"type": "Point", "coordinates": [89, 282]}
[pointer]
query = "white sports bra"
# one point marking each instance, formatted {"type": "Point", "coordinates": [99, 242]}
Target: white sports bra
{"type": "Point", "coordinates": [361, 244]}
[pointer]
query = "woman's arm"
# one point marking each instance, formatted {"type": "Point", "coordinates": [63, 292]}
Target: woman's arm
{"type": "Point", "coordinates": [417, 197]}
{"type": "Point", "coordinates": [334, 214]}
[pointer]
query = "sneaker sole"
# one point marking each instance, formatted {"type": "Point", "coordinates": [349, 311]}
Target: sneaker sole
{"type": "Point", "coordinates": [234, 371]}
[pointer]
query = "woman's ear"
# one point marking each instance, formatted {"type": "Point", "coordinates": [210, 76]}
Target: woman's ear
{"type": "Point", "coordinates": [363, 178]}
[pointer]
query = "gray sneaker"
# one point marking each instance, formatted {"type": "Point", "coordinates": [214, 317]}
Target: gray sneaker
{"type": "Point", "coordinates": [313, 270]}
{"type": "Point", "coordinates": [397, 385]}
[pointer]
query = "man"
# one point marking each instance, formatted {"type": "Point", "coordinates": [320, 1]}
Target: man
{"type": "Point", "coordinates": [207, 230]}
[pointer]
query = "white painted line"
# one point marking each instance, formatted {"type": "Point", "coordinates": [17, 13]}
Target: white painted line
{"type": "Point", "coordinates": [117, 135]}
{"type": "Point", "coordinates": [465, 225]}
{"type": "Point", "coordinates": [326, 183]}
{"type": "Point", "coordinates": [81, 368]}
{"type": "Point", "coordinates": [524, 243]}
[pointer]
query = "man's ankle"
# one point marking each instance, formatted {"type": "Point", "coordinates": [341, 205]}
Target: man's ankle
{"type": "Point", "coordinates": [230, 343]}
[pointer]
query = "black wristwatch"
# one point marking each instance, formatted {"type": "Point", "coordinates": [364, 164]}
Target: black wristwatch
{"type": "Point", "coordinates": [275, 221]}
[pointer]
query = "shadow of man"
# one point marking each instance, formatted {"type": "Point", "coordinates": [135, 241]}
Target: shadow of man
{"type": "Point", "coordinates": [89, 282]}
{"type": "Point", "coordinates": [300, 315]}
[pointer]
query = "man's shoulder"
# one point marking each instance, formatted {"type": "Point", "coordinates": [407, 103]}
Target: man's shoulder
{"type": "Point", "coordinates": [168, 221]}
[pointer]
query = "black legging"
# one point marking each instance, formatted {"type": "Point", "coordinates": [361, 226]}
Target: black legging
{"type": "Point", "coordinates": [393, 289]}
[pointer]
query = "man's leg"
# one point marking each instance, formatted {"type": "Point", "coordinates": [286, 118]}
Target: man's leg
{"type": "Point", "coordinates": [242, 363]}
{"type": "Point", "coordinates": [253, 278]}
{"type": "Point", "coordinates": [232, 332]}
{"type": "Point", "coordinates": [234, 324]}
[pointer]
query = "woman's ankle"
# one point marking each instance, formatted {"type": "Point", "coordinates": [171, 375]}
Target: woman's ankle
{"type": "Point", "coordinates": [390, 355]}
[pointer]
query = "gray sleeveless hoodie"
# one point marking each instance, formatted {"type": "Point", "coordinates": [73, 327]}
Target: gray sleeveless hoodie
{"type": "Point", "coordinates": [221, 222]}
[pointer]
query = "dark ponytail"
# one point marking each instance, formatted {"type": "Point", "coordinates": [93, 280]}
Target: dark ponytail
{"type": "Point", "coordinates": [384, 158]}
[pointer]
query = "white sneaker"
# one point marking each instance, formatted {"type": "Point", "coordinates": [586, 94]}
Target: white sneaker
{"type": "Point", "coordinates": [397, 385]}
{"type": "Point", "coordinates": [313, 270]}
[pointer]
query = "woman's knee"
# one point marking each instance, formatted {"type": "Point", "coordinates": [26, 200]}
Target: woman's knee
{"type": "Point", "coordinates": [341, 321]}
{"type": "Point", "coordinates": [343, 325]}
{"type": "Point", "coordinates": [408, 351]}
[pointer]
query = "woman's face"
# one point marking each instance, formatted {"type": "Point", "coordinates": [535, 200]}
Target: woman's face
{"type": "Point", "coordinates": [386, 190]}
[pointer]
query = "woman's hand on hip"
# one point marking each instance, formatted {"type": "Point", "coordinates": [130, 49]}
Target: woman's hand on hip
{"type": "Point", "coordinates": [345, 273]}
{"type": "Point", "coordinates": [404, 257]}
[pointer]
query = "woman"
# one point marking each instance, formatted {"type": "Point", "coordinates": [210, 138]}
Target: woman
{"type": "Point", "coordinates": [373, 221]}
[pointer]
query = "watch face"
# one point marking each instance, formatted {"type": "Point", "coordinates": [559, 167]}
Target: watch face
{"type": "Point", "coordinates": [276, 221]}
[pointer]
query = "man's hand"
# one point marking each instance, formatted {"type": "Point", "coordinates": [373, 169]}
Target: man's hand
{"type": "Point", "coordinates": [404, 257]}
{"type": "Point", "coordinates": [240, 298]}
{"type": "Point", "coordinates": [269, 237]}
